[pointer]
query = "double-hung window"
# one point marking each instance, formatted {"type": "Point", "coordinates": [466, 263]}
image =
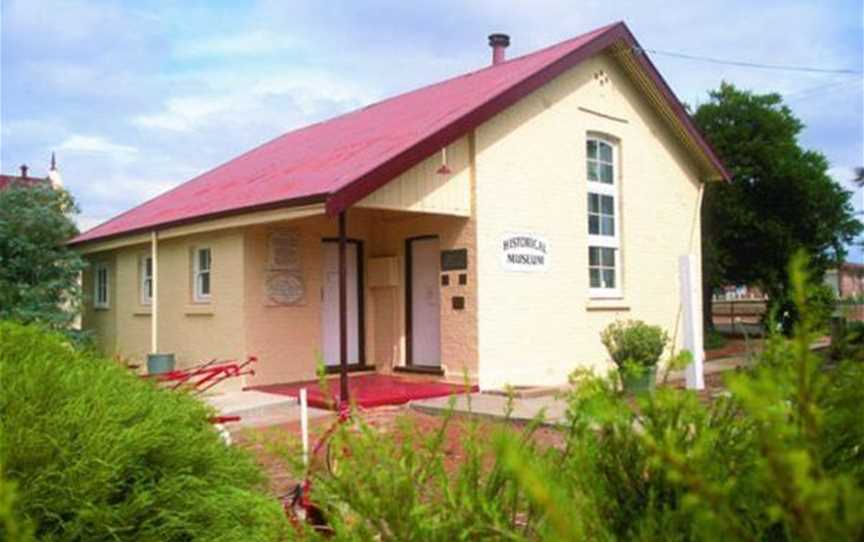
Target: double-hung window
{"type": "Point", "coordinates": [146, 280]}
{"type": "Point", "coordinates": [201, 265]}
{"type": "Point", "coordinates": [100, 286]}
{"type": "Point", "coordinates": [604, 227]}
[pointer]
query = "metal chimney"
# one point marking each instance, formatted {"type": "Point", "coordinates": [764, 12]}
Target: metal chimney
{"type": "Point", "coordinates": [498, 43]}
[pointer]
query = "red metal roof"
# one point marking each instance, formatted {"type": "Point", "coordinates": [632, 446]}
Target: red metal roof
{"type": "Point", "coordinates": [342, 160]}
{"type": "Point", "coordinates": [9, 180]}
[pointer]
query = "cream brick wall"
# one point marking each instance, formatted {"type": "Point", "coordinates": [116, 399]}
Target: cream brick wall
{"type": "Point", "coordinates": [536, 328]}
{"type": "Point", "coordinates": [101, 322]}
{"type": "Point", "coordinates": [194, 332]}
{"type": "Point", "coordinates": [198, 332]}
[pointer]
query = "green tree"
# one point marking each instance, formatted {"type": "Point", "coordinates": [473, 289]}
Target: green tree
{"type": "Point", "coordinates": [781, 198]}
{"type": "Point", "coordinates": [38, 271]}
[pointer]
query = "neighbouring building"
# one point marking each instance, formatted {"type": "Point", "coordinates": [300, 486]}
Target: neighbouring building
{"type": "Point", "coordinates": [497, 221]}
{"type": "Point", "coordinates": [847, 282]}
{"type": "Point", "coordinates": [24, 179]}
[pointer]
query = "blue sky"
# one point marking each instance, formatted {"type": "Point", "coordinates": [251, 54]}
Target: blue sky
{"type": "Point", "coordinates": [136, 97]}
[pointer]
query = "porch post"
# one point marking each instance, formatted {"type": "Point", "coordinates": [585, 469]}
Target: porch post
{"type": "Point", "coordinates": [343, 316]}
{"type": "Point", "coordinates": [154, 298]}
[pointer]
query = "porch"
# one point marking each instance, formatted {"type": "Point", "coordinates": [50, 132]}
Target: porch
{"type": "Point", "coordinates": [409, 302]}
{"type": "Point", "coordinates": [370, 390]}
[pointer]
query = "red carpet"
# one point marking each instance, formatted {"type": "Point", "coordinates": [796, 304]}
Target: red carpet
{"type": "Point", "coordinates": [368, 390]}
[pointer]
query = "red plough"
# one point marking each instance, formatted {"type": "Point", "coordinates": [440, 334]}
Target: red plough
{"type": "Point", "coordinates": [201, 378]}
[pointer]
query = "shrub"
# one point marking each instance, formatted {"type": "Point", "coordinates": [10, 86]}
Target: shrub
{"type": "Point", "coordinates": [821, 303]}
{"type": "Point", "coordinates": [780, 458]}
{"type": "Point", "coordinates": [714, 340]}
{"type": "Point", "coordinates": [100, 454]}
{"type": "Point", "coordinates": [634, 342]}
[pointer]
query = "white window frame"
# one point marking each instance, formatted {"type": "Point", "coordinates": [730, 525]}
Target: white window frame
{"type": "Point", "coordinates": [197, 272]}
{"type": "Point", "coordinates": [146, 280]}
{"type": "Point", "coordinates": [100, 270]}
{"type": "Point", "coordinates": [605, 189]}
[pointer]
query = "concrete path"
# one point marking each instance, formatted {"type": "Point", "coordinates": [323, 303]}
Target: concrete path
{"type": "Point", "coordinates": [495, 406]}
{"type": "Point", "coordinates": [259, 409]}
{"type": "Point", "coordinates": [527, 408]}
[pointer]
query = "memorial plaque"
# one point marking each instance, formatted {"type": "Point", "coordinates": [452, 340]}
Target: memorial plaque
{"type": "Point", "coordinates": [454, 260]}
{"type": "Point", "coordinates": [285, 250]}
{"type": "Point", "coordinates": [285, 288]}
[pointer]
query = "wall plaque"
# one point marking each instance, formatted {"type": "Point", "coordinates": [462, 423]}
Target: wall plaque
{"type": "Point", "coordinates": [454, 260]}
{"type": "Point", "coordinates": [285, 288]}
{"type": "Point", "coordinates": [284, 284]}
{"type": "Point", "coordinates": [284, 249]}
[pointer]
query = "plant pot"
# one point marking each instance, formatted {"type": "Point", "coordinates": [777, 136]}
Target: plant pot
{"type": "Point", "coordinates": [160, 363]}
{"type": "Point", "coordinates": [640, 380]}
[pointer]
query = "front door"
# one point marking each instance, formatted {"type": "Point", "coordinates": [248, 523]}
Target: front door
{"type": "Point", "coordinates": [330, 303]}
{"type": "Point", "coordinates": [423, 311]}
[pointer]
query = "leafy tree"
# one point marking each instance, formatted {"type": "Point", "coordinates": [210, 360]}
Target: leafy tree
{"type": "Point", "coordinates": [38, 271]}
{"type": "Point", "coordinates": [781, 198]}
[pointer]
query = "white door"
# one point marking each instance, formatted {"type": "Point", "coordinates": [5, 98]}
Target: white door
{"type": "Point", "coordinates": [330, 304]}
{"type": "Point", "coordinates": [425, 301]}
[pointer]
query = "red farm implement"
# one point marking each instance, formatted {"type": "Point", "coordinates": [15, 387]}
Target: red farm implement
{"type": "Point", "coordinates": [200, 378]}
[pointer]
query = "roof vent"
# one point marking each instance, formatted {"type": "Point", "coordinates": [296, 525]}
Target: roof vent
{"type": "Point", "coordinates": [24, 169]}
{"type": "Point", "coordinates": [498, 43]}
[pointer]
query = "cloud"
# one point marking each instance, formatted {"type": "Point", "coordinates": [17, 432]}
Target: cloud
{"type": "Point", "coordinates": [260, 42]}
{"type": "Point", "coordinates": [89, 144]}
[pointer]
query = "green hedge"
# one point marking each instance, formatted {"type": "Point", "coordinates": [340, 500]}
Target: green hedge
{"type": "Point", "coordinates": [100, 454]}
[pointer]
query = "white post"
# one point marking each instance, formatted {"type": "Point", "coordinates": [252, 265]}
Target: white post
{"type": "Point", "coordinates": [304, 426]}
{"type": "Point", "coordinates": [691, 299]}
{"type": "Point", "coordinates": [154, 301]}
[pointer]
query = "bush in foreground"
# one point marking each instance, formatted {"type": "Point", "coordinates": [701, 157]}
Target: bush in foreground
{"type": "Point", "coordinates": [97, 453]}
{"type": "Point", "coordinates": [780, 458]}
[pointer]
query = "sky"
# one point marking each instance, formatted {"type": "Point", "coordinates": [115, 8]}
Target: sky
{"type": "Point", "coordinates": [136, 97]}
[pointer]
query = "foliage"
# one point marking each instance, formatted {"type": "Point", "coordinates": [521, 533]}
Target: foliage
{"type": "Point", "coordinates": [97, 453]}
{"type": "Point", "coordinates": [781, 198]}
{"type": "Point", "coordinates": [634, 341]}
{"type": "Point", "coordinates": [714, 340]}
{"type": "Point", "coordinates": [781, 457]}
{"type": "Point", "coordinates": [821, 303]}
{"type": "Point", "coordinates": [38, 271]}
{"type": "Point", "coordinates": [13, 527]}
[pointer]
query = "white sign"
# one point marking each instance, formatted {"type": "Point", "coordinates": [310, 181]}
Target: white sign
{"type": "Point", "coordinates": [524, 252]}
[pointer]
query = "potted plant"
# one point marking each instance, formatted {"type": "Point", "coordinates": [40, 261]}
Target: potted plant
{"type": "Point", "coordinates": [635, 347]}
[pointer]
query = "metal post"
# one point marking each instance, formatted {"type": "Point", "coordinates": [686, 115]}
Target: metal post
{"type": "Point", "coordinates": [343, 316]}
{"type": "Point", "coordinates": [304, 425]}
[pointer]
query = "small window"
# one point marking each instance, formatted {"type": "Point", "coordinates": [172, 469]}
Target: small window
{"type": "Point", "coordinates": [601, 161]}
{"type": "Point", "coordinates": [601, 215]}
{"type": "Point", "coordinates": [601, 267]}
{"type": "Point", "coordinates": [201, 274]}
{"type": "Point", "coordinates": [100, 286]}
{"type": "Point", "coordinates": [146, 280]}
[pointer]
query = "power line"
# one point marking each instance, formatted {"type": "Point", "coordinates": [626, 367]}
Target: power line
{"type": "Point", "coordinates": [751, 64]}
{"type": "Point", "coordinates": [819, 90]}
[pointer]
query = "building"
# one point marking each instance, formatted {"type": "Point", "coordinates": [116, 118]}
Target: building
{"type": "Point", "coordinates": [494, 223]}
{"type": "Point", "coordinates": [24, 179]}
